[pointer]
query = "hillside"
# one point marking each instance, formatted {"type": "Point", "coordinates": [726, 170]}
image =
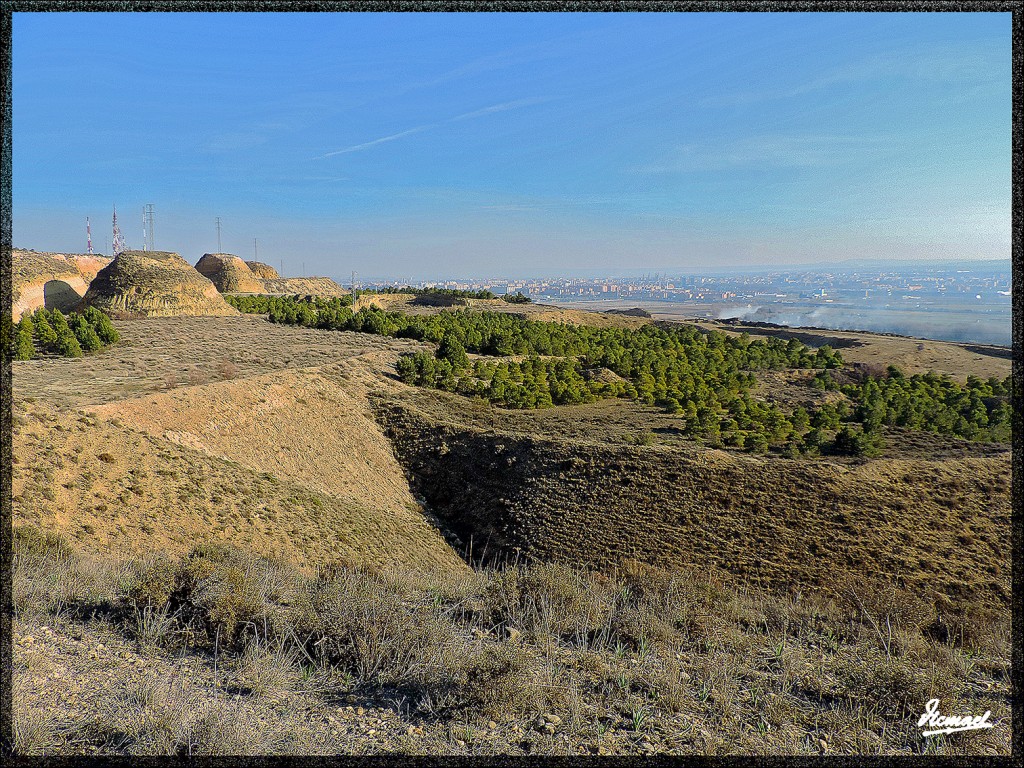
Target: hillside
{"type": "Point", "coordinates": [267, 514]}
{"type": "Point", "coordinates": [110, 488]}
{"type": "Point", "coordinates": [262, 483]}
{"type": "Point", "coordinates": [935, 527]}
{"type": "Point", "coordinates": [50, 280]}
{"type": "Point", "coordinates": [154, 284]}
{"type": "Point", "coordinates": [228, 273]}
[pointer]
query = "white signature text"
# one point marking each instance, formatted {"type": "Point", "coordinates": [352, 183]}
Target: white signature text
{"type": "Point", "coordinates": [950, 723]}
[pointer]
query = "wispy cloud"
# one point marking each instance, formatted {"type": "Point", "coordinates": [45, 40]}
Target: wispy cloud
{"type": "Point", "coordinates": [508, 105]}
{"type": "Point", "coordinates": [381, 140]}
{"type": "Point", "coordinates": [766, 152]}
{"type": "Point", "coordinates": [493, 109]}
{"type": "Point", "coordinates": [947, 64]}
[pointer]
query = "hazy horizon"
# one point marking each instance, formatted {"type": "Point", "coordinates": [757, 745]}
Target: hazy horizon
{"type": "Point", "coordinates": [431, 145]}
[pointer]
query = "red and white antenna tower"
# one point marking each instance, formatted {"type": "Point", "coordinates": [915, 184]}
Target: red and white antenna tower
{"type": "Point", "coordinates": [88, 234]}
{"type": "Point", "coordinates": [117, 243]}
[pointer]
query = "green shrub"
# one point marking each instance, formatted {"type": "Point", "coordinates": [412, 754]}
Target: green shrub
{"type": "Point", "coordinates": [24, 349]}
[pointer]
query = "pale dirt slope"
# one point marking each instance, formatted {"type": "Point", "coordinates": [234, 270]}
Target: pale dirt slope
{"type": "Point", "coordinates": [288, 462]}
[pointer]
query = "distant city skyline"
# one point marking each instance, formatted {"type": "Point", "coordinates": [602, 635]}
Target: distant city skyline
{"type": "Point", "coordinates": [520, 145]}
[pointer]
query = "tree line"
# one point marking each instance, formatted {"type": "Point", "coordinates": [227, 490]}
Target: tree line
{"type": "Point", "coordinates": [703, 376]}
{"type": "Point", "coordinates": [455, 293]}
{"type": "Point", "coordinates": [50, 331]}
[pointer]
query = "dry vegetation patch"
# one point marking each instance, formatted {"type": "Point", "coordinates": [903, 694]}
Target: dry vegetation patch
{"type": "Point", "coordinates": [529, 659]}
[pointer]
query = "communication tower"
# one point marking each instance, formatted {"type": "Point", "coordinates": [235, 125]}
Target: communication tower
{"type": "Point", "coordinates": [117, 239]}
{"type": "Point", "coordinates": [88, 235]}
{"type": "Point", "coordinates": [219, 248]}
{"type": "Point", "coordinates": [147, 227]}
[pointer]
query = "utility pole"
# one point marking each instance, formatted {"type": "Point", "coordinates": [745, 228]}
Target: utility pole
{"type": "Point", "coordinates": [353, 285]}
{"type": "Point", "coordinates": [219, 249]}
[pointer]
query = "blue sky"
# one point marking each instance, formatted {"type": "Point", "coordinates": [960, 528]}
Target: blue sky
{"type": "Point", "coordinates": [431, 145]}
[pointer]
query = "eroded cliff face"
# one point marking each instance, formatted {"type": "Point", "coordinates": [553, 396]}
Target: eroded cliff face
{"type": "Point", "coordinates": [51, 280]}
{"type": "Point", "coordinates": [263, 271]}
{"type": "Point", "coordinates": [229, 273]}
{"type": "Point", "coordinates": [313, 286]}
{"type": "Point", "coordinates": [154, 284]}
{"type": "Point", "coordinates": [767, 520]}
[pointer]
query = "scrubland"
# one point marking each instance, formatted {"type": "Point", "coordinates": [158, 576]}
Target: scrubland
{"type": "Point", "coordinates": [236, 537]}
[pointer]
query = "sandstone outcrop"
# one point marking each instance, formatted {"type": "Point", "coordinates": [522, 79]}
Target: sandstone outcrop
{"type": "Point", "coordinates": [263, 271]}
{"type": "Point", "coordinates": [154, 284]}
{"type": "Point", "coordinates": [229, 273]}
{"type": "Point", "coordinates": [313, 286]}
{"type": "Point", "coordinates": [50, 280]}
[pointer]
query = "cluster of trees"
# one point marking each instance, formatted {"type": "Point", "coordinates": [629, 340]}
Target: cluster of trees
{"type": "Point", "coordinates": [977, 410]}
{"type": "Point", "coordinates": [68, 336]}
{"type": "Point", "coordinates": [284, 306]}
{"type": "Point", "coordinates": [517, 298]}
{"type": "Point", "coordinates": [703, 376]}
{"type": "Point", "coordinates": [454, 293]}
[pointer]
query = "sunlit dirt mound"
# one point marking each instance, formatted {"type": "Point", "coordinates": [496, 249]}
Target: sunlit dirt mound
{"type": "Point", "coordinates": [229, 273]}
{"type": "Point", "coordinates": [232, 462]}
{"type": "Point", "coordinates": [262, 271]}
{"type": "Point", "coordinates": [305, 286]}
{"type": "Point", "coordinates": [154, 283]}
{"type": "Point", "coordinates": [313, 430]}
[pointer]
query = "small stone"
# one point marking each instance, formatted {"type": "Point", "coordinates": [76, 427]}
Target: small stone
{"type": "Point", "coordinates": [602, 750]}
{"type": "Point", "coordinates": [553, 719]}
{"type": "Point", "coordinates": [646, 746]}
{"type": "Point", "coordinates": [684, 676]}
{"type": "Point", "coordinates": [492, 725]}
{"type": "Point", "coordinates": [460, 743]}
{"type": "Point", "coordinates": [410, 731]}
{"type": "Point", "coordinates": [822, 745]}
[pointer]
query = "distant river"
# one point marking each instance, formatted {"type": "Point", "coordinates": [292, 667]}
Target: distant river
{"type": "Point", "coordinates": [987, 322]}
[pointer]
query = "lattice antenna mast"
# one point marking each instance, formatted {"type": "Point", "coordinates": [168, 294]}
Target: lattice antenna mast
{"type": "Point", "coordinates": [147, 226]}
{"type": "Point", "coordinates": [219, 248]}
{"type": "Point", "coordinates": [117, 245]}
{"type": "Point", "coordinates": [88, 234]}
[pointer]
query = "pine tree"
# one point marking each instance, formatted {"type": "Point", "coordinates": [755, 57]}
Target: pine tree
{"type": "Point", "coordinates": [45, 334]}
{"type": "Point", "coordinates": [85, 333]}
{"type": "Point", "coordinates": [24, 349]}
{"type": "Point", "coordinates": [451, 349]}
{"type": "Point", "coordinates": [102, 325]}
{"type": "Point", "coordinates": [66, 344]}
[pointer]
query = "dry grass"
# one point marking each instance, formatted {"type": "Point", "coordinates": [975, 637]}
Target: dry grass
{"type": "Point", "coordinates": [933, 526]}
{"type": "Point", "coordinates": [672, 660]}
{"type": "Point", "coordinates": [108, 487]}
